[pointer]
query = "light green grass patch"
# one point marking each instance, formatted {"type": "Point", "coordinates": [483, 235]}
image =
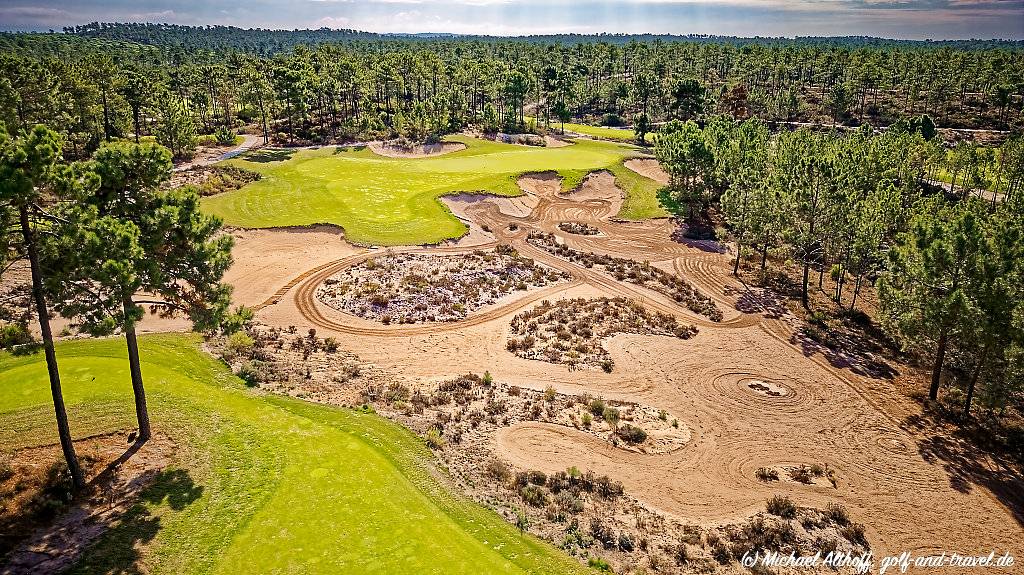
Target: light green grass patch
{"type": "Point", "coordinates": [262, 483]}
{"type": "Point", "coordinates": [618, 134]}
{"type": "Point", "coordinates": [394, 201]}
{"type": "Point", "coordinates": [642, 203]}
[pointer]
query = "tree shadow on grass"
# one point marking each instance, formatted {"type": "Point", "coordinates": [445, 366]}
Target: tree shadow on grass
{"type": "Point", "coordinates": [967, 465]}
{"type": "Point", "coordinates": [120, 550]}
{"type": "Point", "coordinates": [267, 155]}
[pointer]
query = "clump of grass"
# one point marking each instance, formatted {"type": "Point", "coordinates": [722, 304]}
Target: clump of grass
{"type": "Point", "coordinates": [837, 514]}
{"type": "Point", "coordinates": [854, 533]}
{"type": "Point", "coordinates": [253, 373]}
{"type": "Point", "coordinates": [632, 434]}
{"type": "Point", "coordinates": [781, 506]}
{"type": "Point", "coordinates": [801, 474]}
{"type": "Point", "coordinates": [239, 342]}
{"type": "Point", "coordinates": [720, 552]}
{"type": "Point", "coordinates": [766, 474]}
{"type": "Point", "coordinates": [610, 415]}
{"type": "Point", "coordinates": [434, 438]}
{"type": "Point", "coordinates": [534, 495]}
{"type": "Point", "coordinates": [499, 470]}
{"type": "Point", "coordinates": [549, 394]}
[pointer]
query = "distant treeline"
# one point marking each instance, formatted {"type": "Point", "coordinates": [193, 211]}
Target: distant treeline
{"type": "Point", "coordinates": [264, 41]}
{"type": "Point", "coordinates": [105, 81]}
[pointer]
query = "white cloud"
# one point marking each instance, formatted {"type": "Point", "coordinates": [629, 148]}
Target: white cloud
{"type": "Point", "coordinates": [333, 22]}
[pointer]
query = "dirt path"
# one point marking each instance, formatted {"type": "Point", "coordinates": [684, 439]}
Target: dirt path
{"type": "Point", "coordinates": [214, 155]}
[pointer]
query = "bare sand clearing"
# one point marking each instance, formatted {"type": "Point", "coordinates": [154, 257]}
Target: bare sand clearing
{"type": "Point", "coordinates": [648, 168]}
{"type": "Point", "coordinates": [265, 260]}
{"type": "Point", "coordinates": [475, 235]}
{"type": "Point", "coordinates": [748, 397]}
{"type": "Point", "coordinates": [391, 150]}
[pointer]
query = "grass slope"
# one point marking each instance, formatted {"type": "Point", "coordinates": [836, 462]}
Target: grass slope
{"type": "Point", "coordinates": [394, 201]}
{"type": "Point", "coordinates": [263, 484]}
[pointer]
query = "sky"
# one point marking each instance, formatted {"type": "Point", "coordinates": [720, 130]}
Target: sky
{"type": "Point", "coordinates": [911, 19]}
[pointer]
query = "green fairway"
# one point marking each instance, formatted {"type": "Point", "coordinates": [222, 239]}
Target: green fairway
{"type": "Point", "coordinates": [393, 201]}
{"type": "Point", "coordinates": [262, 483]}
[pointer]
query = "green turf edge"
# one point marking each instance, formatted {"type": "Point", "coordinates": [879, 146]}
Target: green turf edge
{"type": "Point", "coordinates": [229, 468]}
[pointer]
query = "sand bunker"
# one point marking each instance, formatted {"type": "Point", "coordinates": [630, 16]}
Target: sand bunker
{"type": "Point", "coordinates": [648, 168]}
{"type": "Point", "coordinates": [553, 142]}
{"type": "Point", "coordinates": [393, 150]}
{"type": "Point", "coordinates": [266, 260]}
{"type": "Point", "coordinates": [635, 272]}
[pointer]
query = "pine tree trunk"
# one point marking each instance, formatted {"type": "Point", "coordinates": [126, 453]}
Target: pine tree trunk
{"type": "Point", "coordinates": [136, 121]}
{"type": "Point", "coordinates": [63, 429]}
{"type": "Point", "coordinates": [141, 412]}
{"type": "Point", "coordinates": [807, 274]}
{"type": "Point", "coordinates": [739, 251]}
{"type": "Point", "coordinates": [940, 356]}
{"type": "Point", "coordinates": [856, 292]}
{"type": "Point", "coordinates": [974, 381]}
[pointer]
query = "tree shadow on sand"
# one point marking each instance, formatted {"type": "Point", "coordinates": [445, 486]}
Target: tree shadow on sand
{"type": "Point", "coordinates": [967, 465]}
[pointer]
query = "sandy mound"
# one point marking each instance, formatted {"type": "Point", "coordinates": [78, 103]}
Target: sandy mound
{"type": "Point", "coordinates": [573, 331]}
{"type": "Point", "coordinates": [553, 142]}
{"type": "Point", "coordinates": [411, 288]}
{"type": "Point", "coordinates": [391, 150]}
{"type": "Point", "coordinates": [648, 168]}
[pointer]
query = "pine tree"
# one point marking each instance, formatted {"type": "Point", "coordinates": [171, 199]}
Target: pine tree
{"type": "Point", "coordinates": [30, 171]}
{"type": "Point", "coordinates": [925, 296]}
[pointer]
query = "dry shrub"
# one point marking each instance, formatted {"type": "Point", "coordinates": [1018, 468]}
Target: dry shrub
{"type": "Point", "coordinates": [782, 506]}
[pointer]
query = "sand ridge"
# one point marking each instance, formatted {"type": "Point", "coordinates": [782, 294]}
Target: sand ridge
{"type": "Point", "coordinates": [648, 168]}
{"type": "Point", "coordinates": [391, 150]}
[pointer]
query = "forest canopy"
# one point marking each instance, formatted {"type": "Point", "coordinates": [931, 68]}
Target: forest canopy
{"type": "Point", "coordinates": [102, 81]}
